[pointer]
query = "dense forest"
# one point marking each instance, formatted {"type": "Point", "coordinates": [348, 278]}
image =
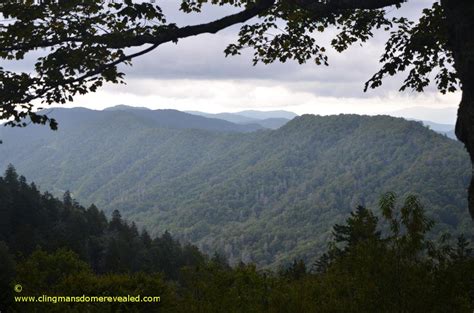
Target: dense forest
{"type": "Point", "coordinates": [268, 196]}
{"type": "Point", "coordinates": [59, 248]}
{"type": "Point", "coordinates": [31, 220]}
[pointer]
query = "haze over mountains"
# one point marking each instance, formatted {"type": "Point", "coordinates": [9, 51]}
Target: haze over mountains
{"type": "Point", "coordinates": [268, 119]}
{"type": "Point", "coordinates": [251, 193]}
{"type": "Point", "coordinates": [275, 119]}
{"type": "Point", "coordinates": [436, 115]}
{"type": "Point", "coordinates": [446, 129]}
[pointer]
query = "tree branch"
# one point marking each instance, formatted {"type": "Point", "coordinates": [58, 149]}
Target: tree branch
{"type": "Point", "coordinates": [331, 6]}
{"type": "Point", "coordinates": [171, 34]}
{"type": "Point", "coordinates": [89, 74]}
{"type": "Point", "coordinates": [117, 41]}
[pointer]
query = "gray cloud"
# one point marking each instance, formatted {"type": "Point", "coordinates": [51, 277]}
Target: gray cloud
{"type": "Point", "coordinates": [202, 57]}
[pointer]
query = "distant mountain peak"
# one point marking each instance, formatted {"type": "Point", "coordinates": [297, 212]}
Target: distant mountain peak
{"type": "Point", "coordinates": [123, 107]}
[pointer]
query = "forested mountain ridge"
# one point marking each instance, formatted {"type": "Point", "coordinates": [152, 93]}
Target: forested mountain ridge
{"type": "Point", "coordinates": [166, 118]}
{"type": "Point", "coordinates": [266, 196]}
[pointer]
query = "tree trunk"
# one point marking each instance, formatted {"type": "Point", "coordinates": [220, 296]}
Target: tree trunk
{"type": "Point", "coordinates": [460, 24]}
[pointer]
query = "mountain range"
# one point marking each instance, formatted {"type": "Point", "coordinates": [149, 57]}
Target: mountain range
{"type": "Point", "coordinates": [253, 194]}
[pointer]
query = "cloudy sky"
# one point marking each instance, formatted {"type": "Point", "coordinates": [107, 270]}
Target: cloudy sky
{"type": "Point", "coordinates": [195, 75]}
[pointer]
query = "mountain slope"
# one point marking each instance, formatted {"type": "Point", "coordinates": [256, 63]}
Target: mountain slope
{"type": "Point", "coordinates": [273, 123]}
{"type": "Point", "coordinates": [158, 118]}
{"type": "Point", "coordinates": [266, 196]}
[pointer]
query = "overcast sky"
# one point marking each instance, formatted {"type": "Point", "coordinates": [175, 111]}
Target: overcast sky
{"type": "Point", "coordinates": [195, 75]}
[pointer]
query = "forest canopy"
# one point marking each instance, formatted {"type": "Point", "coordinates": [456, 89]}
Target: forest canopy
{"type": "Point", "coordinates": [368, 257]}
